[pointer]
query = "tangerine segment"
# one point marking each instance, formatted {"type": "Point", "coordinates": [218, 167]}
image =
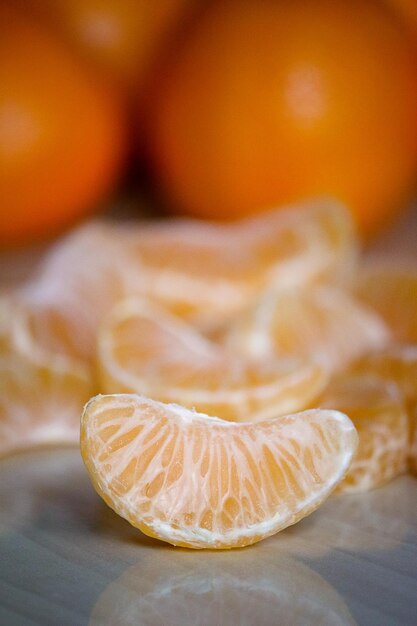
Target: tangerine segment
{"type": "Point", "coordinates": [200, 482]}
{"type": "Point", "coordinates": [81, 278]}
{"type": "Point", "coordinates": [208, 271]}
{"type": "Point", "coordinates": [322, 324]}
{"type": "Point", "coordinates": [41, 391]}
{"type": "Point", "coordinates": [392, 292]}
{"type": "Point", "coordinates": [36, 331]}
{"type": "Point", "coordinates": [398, 363]}
{"type": "Point", "coordinates": [146, 350]}
{"type": "Point", "coordinates": [376, 408]}
{"type": "Point", "coordinates": [39, 405]}
{"type": "Point", "coordinates": [202, 272]}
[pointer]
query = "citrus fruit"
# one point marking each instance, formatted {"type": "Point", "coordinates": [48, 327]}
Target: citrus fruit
{"type": "Point", "coordinates": [80, 278]}
{"type": "Point", "coordinates": [39, 405]}
{"type": "Point", "coordinates": [408, 10]}
{"type": "Point", "coordinates": [123, 38]}
{"type": "Point", "coordinates": [268, 102]}
{"type": "Point", "coordinates": [208, 272]}
{"type": "Point", "coordinates": [322, 324]}
{"type": "Point", "coordinates": [377, 410]}
{"type": "Point", "coordinates": [42, 389]}
{"type": "Point", "coordinates": [204, 273]}
{"type": "Point", "coordinates": [397, 363]}
{"type": "Point", "coordinates": [200, 482]}
{"type": "Point", "coordinates": [392, 292]}
{"type": "Point", "coordinates": [41, 393]}
{"type": "Point", "coordinates": [62, 134]}
{"type": "Point", "coordinates": [142, 349]}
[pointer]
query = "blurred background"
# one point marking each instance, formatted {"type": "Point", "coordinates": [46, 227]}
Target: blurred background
{"type": "Point", "coordinates": [215, 109]}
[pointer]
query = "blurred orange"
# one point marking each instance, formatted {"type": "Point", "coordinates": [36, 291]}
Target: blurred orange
{"type": "Point", "coordinates": [122, 37]}
{"type": "Point", "coordinates": [267, 102]}
{"type": "Point", "coordinates": [408, 9]}
{"type": "Point", "coordinates": [62, 134]}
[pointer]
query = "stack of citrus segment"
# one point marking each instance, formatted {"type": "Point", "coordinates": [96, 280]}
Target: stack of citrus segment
{"type": "Point", "coordinates": [391, 290]}
{"type": "Point", "coordinates": [41, 392]}
{"type": "Point", "coordinates": [351, 334]}
{"type": "Point", "coordinates": [377, 409]}
{"type": "Point", "coordinates": [239, 325]}
{"type": "Point", "coordinates": [206, 273]}
{"type": "Point", "coordinates": [143, 349]}
{"type": "Point", "coordinates": [322, 324]}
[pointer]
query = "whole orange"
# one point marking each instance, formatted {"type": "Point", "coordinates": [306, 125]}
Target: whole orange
{"type": "Point", "coordinates": [408, 9]}
{"type": "Point", "coordinates": [62, 134]}
{"type": "Point", "coordinates": [121, 37]}
{"type": "Point", "coordinates": [270, 101]}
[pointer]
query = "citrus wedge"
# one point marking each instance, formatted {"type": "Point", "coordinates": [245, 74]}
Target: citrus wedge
{"type": "Point", "coordinates": [322, 324]}
{"type": "Point", "coordinates": [203, 272]}
{"type": "Point", "coordinates": [39, 405]}
{"type": "Point", "coordinates": [81, 278]}
{"type": "Point", "coordinates": [377, 410]}
{"type": "Point", "coordinates": [41, 392]}
{"type": "Point", "coordinates": [392, 292]}
{"type": "Point", "coordinates": [201, 482]}
{"type": "Point", "coordinates": [143, 349]}
{"type": "Point", "coordinates": [398, 364]}
{"type": "Point", "coordinates": [206, 272]}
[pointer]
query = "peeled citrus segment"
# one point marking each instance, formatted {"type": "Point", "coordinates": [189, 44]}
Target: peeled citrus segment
{"type": "Point", "coordinates": [392, 292]}
{"type": "Point", "coordinates": [201, 482]}
{"type": "Point", "coordinates": [145, 350]}
{"type": "Point", "coordinates": [41, 391]}
{"type": "Point", "coordinates": [398, 363]}
{"type": "Point", "coordinates": [376, 408]}
{"type": "Point", "coordinates": [206, 272]}
{"type": "Point", "coordinates": [322, 324]}
{"type": "Point", "coordinates": [202, 272]}
{"type": "Point", "coordinates": [82, 276]}
{"type": "Point", "coordinates": [39, 405]}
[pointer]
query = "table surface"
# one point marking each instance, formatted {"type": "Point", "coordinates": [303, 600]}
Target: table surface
{"type": "Point", "coordinates": [67, 560]}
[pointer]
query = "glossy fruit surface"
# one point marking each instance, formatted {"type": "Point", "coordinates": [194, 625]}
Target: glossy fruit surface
{"type": "Point", "coordinates": [408, 10]}
{"type": "Point", "coordinates": [272, 101]}
{"type": "Point", "coordinates": [122, 38]}
{"type": "Point", "coordinates": [62, 135]}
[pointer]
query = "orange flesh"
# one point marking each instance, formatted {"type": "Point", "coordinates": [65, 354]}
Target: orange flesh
{"type": "Point", "coordinates": [377, 410]}
{"type": "Point", "coordinates": [200, 482]}
{"type": "Point", "coordinates": [144, 350]}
